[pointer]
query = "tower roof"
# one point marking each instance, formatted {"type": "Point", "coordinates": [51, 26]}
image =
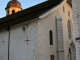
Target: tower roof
{"type": "Point", "coordinates": [13, 3]}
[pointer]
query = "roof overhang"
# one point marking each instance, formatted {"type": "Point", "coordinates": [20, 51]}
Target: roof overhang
{"type": "Point", "coordinates": [28, 14]}
{"type": "Point", "coordinates": [52, 9]}
{"type": "Point", "coordinates": [70, 2]}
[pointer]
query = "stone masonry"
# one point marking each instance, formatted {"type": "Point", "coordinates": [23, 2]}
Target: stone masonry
{"type": "Point", "coordinates": [76, 28]}
{"type": "Point", "coordinates": [60, 38]}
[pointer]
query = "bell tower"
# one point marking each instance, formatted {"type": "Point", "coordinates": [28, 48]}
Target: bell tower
{"type": "Point", "coordinates": [13, 6]}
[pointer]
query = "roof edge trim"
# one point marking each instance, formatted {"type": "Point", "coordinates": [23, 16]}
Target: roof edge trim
{"type": "Point", "coordinates": [53, 9]}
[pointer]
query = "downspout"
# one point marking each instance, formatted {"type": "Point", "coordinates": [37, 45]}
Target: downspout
{"type": "Point", "coordinates": [8, 41]}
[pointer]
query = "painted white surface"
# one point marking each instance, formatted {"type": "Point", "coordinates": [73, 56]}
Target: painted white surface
{"type": "Point", "coordinates": [38, 47]}
{"type": "Point", "coordinates": [44, 26]}
{"type": "Point", "coordinates": [4, 47]}
{"type": "Point", "coordinates": [19, 50]}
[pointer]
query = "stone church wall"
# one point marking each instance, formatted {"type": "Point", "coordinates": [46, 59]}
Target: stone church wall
{"type": "Point", "coordinates": [19, 48]}
{"type": "Point", "coordinates": [37, 33]}
{"type": "Point", "coordinates": [13, 44]}
{"type": "Point", "coordinates": [49, 23]}
{"type": "Point", "coordinates": [67, 16]}
{"type": "Point", "coordinates": [44, 26]}
{"type": "Point", "coordinates": [4, 44]}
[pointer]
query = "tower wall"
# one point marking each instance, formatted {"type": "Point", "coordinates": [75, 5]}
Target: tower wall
{"type": "Point", "coordinates": [17, 9]}
{"type": "Point", "coordinates": [9, 10]}
{"type": "Point", "coordinates": [13, 6]}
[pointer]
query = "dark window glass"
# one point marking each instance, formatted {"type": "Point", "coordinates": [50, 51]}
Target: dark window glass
{"type": "Point", "coordinates": [51, 37]}
{"type": "Point", "coordinates": [52, 57]}
{"type": "Point", "coordinates": [70, 58]}
{"type": "Point", "coordinates": [13, 11]}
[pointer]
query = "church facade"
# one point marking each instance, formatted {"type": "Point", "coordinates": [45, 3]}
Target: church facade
{"type": "Point", "coordinates": [41, 32]}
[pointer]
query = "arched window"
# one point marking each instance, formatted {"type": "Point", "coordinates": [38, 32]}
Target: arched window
{"type": "Point", "coordinates": [69, 30]}
{"type": "Point", "coordinates": [13, 11]}
{"type": "Point", "coordinates": [51, 37]}
{"type": "Point", "coordinates": [70, 57]}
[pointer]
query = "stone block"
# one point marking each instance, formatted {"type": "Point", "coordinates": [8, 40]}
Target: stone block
{"type": "Point", "coordinates": [76, 43]}
{"type": "Point", "coordinates": [75, 21]}
{"type": "Point", "coordinates": [77, 53]}
{"type": "Point", "coordinates": [77, 56]}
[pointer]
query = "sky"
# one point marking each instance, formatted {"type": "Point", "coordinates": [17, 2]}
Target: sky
{"type": "Point", "coordinates": [25, 4]}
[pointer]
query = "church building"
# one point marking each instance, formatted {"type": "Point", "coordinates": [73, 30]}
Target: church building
{"type": "Point", "coordinates": [42, 32]}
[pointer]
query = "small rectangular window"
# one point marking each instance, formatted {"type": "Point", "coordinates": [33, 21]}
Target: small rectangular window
{"type": "Point", "coordinates": [52, 57]}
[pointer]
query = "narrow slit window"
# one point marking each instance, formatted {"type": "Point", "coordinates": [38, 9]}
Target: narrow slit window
{"type": "Point", "coordinates": [68, 13]}
{"type": "Point", "coordinates": [51, 37]}
{"type": "Point", "coordinates": [69, 30]}
{"type": "Point", "coordinates": [63, 9]}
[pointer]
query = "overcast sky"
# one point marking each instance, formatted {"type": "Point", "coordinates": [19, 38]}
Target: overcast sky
{"type": "Point", "coordinates": [25, 4]}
